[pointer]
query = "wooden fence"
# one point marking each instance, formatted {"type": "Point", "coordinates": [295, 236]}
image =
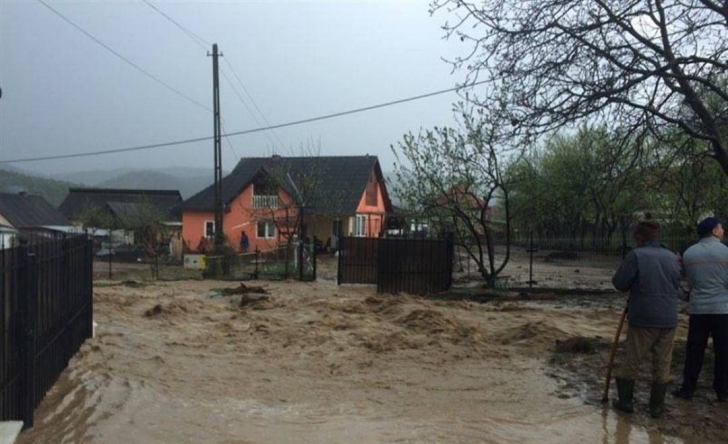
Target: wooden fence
{"type": "Point", "coordinates": [46, 313]}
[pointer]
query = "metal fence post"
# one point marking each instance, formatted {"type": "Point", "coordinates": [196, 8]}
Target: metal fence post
{"type": "Point", "coordinates": [28, 304]}
{"type": "Point", "coordinates": [450, 245]}
{"type": "Point", "coordinates": [89, 288]}
{"type": "Point", "coordinates": [314, 256]}
{"type": "Point", "coordinates": [531, 249]}
{"type": "Point", "coordinates": [339, 270]}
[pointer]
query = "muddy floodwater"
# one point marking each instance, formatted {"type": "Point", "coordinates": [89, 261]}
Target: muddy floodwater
{"type": "Point", "coordinates": [175, 362]}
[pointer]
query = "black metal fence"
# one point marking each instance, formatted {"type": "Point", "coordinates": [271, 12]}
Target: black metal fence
{"type": "Point", "coordinates": [417, 266]}
{"type": "Point", "coordinates": [46, 313]}
{"type": "Point", "coordinates": [296, 260]}
{"type": "Point", "coordinates": [358, 260]}
{"type": "Point", "coordinates": [548, 262]}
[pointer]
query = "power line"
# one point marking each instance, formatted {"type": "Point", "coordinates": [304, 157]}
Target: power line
{"type": "Point", "coordinates": [252, 100]}
{"type": "Point", "coordinates": [249, 131]}
{"type": "Point", "coordinates": [195, 38]}
{"type": "Point", "coordinates": [230, 145]}
{"type": "Point", "coordinates": [202, 43]}
{"type": "Point", "coordinates": [252, 114]}
{"type": "Point", "coordinates": [124, 59]}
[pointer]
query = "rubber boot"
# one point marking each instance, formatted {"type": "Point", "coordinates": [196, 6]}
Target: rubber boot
{"type": "Point", "coordinates": [625, 389]}
{"type": "Point", "coordinates": [683, 393]}
{"type": "Point", "coordinates": [657, 400]}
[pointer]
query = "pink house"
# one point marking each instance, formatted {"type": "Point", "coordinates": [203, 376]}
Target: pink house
{"type": "Point", "coordinates": [263, 197]}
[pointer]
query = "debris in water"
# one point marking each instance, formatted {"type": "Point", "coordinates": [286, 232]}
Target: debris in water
{"type": "Point", "coordinates": [243, 289]}
{"type": "Point", "coordinates": [154, 311]}
{"type": "Point", "coordinates": [248, 299]}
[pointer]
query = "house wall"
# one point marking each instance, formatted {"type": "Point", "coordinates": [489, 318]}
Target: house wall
{"type": "Point", "coordinates": [374, 213]}
{"type": "Point", "coordinates": [238, 217]}
{"type": "Point", "coordinates": [242, 216]}
{"type": "Point", "coordinates": [4, 221]}
{"type": "Point", "coordinates": [193, 226]}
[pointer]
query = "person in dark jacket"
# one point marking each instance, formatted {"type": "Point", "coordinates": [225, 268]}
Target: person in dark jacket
{"type": "Point", "coordinates": [706, 269]}
{"type": "Point", "coordinates": [244, 242]}
{"type": "Point", "coordinates": [651, 274]}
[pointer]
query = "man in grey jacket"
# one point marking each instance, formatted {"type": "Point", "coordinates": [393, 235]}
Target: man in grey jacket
{"type": "Point", "coordinates": [651, 274]}
{"type": "Point", "coordinates": [706, 268]}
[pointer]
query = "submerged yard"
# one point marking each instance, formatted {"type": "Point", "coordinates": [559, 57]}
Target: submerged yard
{"type": "Point", "coordinates": [178, 362]}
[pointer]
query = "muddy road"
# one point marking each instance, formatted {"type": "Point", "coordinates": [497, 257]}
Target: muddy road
{"type": "Point", "coordinates": [175, 362]}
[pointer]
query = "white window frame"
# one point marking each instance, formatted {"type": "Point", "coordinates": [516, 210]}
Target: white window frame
{"type": "Point", "coordinates": [270, 230]}
{"type": "Point", "coordinates": [204, 228]}
{"type": "Point", "coordinates": [360, 224]}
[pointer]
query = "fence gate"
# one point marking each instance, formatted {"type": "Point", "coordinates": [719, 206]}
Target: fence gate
{"type": "Point", "coordinates": [46, 313]}
{"type": "Point", "coordinates": [358, 259]}
{"type": "Point", "coordinates": [417, 266]}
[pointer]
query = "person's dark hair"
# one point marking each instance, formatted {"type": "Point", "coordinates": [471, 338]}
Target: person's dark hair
{"type": "Point", "coordinates": [648, 229]}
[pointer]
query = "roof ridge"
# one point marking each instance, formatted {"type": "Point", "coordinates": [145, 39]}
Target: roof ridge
{"type": "Point", "coordinates": [92, 190]}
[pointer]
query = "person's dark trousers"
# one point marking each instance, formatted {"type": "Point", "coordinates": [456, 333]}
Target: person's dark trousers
{"type": "Point", "coordinates": [701, 327]}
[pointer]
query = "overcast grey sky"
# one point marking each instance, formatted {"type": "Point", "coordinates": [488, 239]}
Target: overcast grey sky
{"type": "Point", "coordinates": [63, 93]}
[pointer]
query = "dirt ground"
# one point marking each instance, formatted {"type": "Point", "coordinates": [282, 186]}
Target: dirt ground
{"type": "Point", "coordinates": [176, 362]}
{"type": "Point", "coordinates": [551, 269]}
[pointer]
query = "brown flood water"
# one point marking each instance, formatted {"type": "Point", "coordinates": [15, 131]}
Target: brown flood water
{"type": "Point", "coordinates": [322, 364]}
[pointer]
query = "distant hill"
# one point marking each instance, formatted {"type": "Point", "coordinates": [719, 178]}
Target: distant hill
{"type": "Point", "coordinates": [54, 191]}
{"type": "Point", "coordinates": [187, 180]}
{"type": "Point", "coordinates": [91, 178]}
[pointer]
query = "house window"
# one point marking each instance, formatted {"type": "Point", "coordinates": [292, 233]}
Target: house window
{"type": "Point", "coordinates": [360, 222]}
{"type": "Point", "coordinates": [371, 193]}
{"type": "Point", "coordinates": [209, 228]}
{"type": "Point", "coordinates": [266, 230]}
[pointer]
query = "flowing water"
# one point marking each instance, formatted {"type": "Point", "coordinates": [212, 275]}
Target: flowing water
{"type": "Point", "coordinates": [318, 364]}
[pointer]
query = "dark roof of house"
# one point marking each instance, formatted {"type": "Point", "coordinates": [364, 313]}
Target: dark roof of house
{"type": "Point", "coordinates": [129, 209]}
{"type": "Point", "coordinates": [118, 200]}
{"type": "Point", "coordinates": [29, 211]}
{"type": "Point", "coordinates": [337, 182]}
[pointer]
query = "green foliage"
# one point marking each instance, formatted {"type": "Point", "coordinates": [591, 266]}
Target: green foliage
{"type": "Point", "coordinates": [588, 183]}
{"type": "Point", "coordinates": [454, 178]}
{"type": "Point", "coordinates": [595, 183]}
{"type": "Point", "coordinates": [54, 191]}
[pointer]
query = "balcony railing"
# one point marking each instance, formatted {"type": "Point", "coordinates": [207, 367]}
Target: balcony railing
{"type": "Point", "coordinates": [265, 202]}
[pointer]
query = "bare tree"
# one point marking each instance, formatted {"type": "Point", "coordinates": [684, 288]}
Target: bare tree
{"type": "Point", "coordinates": [147, 222]}
{"type": "Point", "coordinates": [637, 64]}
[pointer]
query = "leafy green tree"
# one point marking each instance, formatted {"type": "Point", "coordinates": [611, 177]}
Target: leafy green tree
{"type": "Point", "coordinates": [454, 178]}
{"type": "Point", "coordinates": [580, 186]}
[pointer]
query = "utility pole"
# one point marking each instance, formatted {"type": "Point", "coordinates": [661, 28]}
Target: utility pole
{"type": "Point", "coordinates": [219, 237]}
